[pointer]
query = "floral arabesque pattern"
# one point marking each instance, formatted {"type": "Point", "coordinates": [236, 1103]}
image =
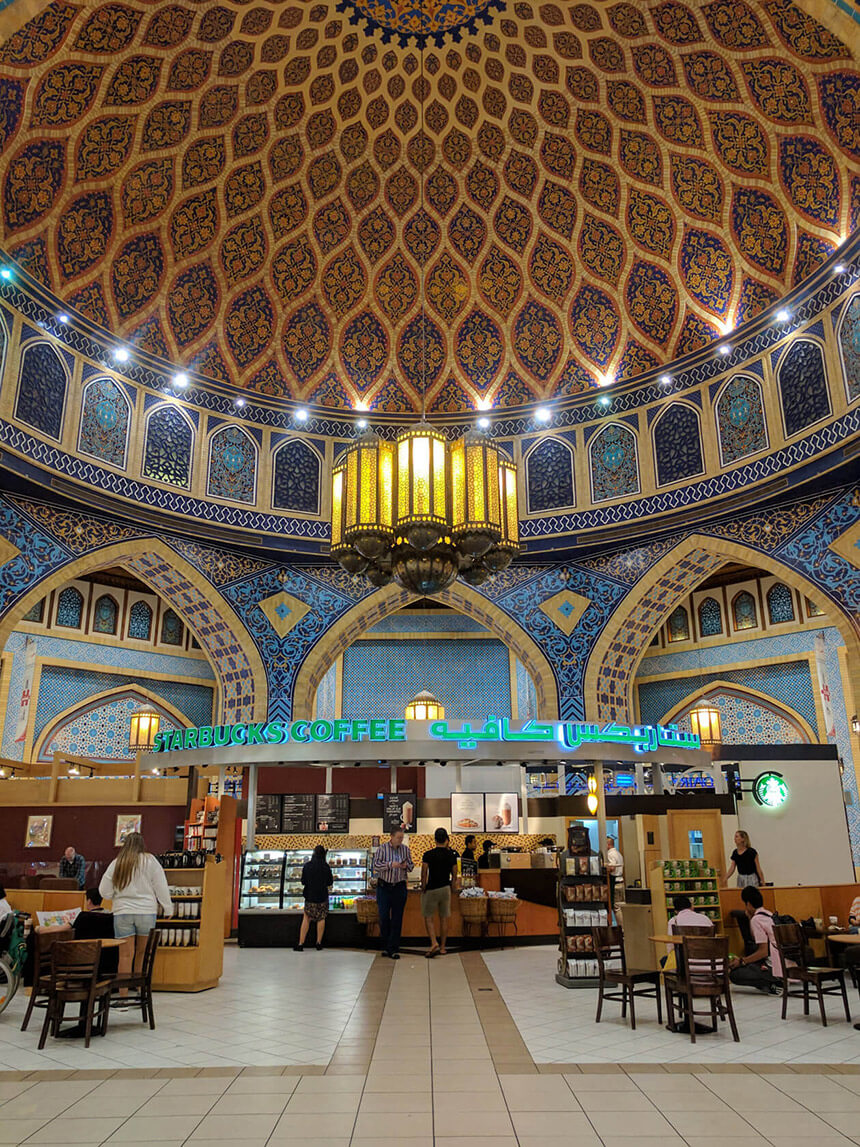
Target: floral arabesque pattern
{"type": "Point", "coordinates": [740, 419]}
{"type": "Point", "coordinates": [105, 418]}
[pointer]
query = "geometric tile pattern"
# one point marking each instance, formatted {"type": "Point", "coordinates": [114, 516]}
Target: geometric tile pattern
{"type": "Point", "coordinates": [100, 732]}
{"type": "Point", "coordinates": [283, 611]}
{"type": "Point", "coordinates": [748, 720]}
{"type": "Point", "coordinates": [565, 609]}
{"type": "Point", "coordinates": [239, 186]}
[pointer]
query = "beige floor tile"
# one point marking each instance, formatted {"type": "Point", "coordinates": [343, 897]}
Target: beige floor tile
{"type": "Point", "coordinates": [718, 1141]}
{"type": "Point", "coordinates": [338, 1103]}
{"type": "Point", "coordinates": [262, 1103]}
{"type": "Point", "coordinates": [106, 1105]}
{"type": "Point", "coordinates": [296, 1128]}
{"type": "Point", "coordinates": [485, 1099]}
{"type": "Point", "coordinates": [822, 1102]}
{"type": "Point", "coordinates": [10, 1088]}
{"type": "Point", "coordinates": [639, 1123]}
{"type": "Point", "coordinates": [725, 1123]}
{"type": "Point", "coordinates": [153, 1129]}
{"type": "Point", "coordinates": [76, 1131]}
{"type": "Point", "coordinates": [200, 1085]}
{"type": "Point", "coordinates": [475, 1141]}
{"type": "Point", "coordinates": [618, 1101]}
{"type": "Point", "coordinates": [263, 1085]}
{"type": "Point", "coordinates": [703, 1100]}
{"type": "Point", "coordinates": [481, 1123]}
{"type": "Point", "coordinates": [236, 1128]}
{"type": "Point", "coordinates": [328, 1084]}
{"type": "Point", "coordinates": [553, 1124]}
{"type": "Point", "coordinates": [843, 1121]}
{"type": "Point", "coordinates": [17, 1130]}
{"type": "Point", "coordinates": [412, 1141]}
{"type": "Point", "coordinates": [393, 1125]}
{"type": "Point", "coordinates": [591, 1083]}
{"type": "Point", "coordinates": [648, 1141]}
{"type": "Point", "coordinates": [540, 1093]}
{"type": "Point", "coordinates": [175, 1105]}
{"type": "Point", "coordinates": [794, 1141]}
{"type": "Point", "coordinates": [220, 1142]}
{"type": "Point", "coordinates": [381, 1101]}
{"type": "Point", "coordinates": [791, 1124]}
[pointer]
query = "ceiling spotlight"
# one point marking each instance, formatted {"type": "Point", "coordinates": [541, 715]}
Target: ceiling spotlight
{"type": "Point", "coordinates": [301, 415]}
{"type": "Point", "coordinates": [180, 379]}
{"type": "Point", "coordinates": [543, 414]}
{"type": "Point", "coordinates": [484, 423]}
{"type": "Point", "coordinates": [239, 401]}
{"type": "Point", "coordinates": [63, 318]}
{"type": "Point", "coordinates": [837, 270]}
{"type": "Point", "coordinates": [605, 400]}
{"type": "Point", "coordinates": [665, 379]}
{"type": "Point", "coordinates": [362, 424]}
{"type": "Point", "coordinates": [725, 349]}
{"type": "Point", "coordinates": [5, 273]}
{"type": "Point", "coordinates": [783, 316]}
{"type": "Point", "coordinates": [120, 354]}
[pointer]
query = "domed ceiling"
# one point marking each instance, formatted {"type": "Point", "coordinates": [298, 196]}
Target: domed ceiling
{"type": "Point", "coordinates": [261, 191]}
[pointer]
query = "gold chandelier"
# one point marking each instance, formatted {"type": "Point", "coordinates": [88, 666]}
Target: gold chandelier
{"type": "Point", "coordinates": [422, 511]}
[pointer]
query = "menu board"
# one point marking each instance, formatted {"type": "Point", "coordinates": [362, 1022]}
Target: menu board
{"type": "Point", "coordinates": [332, 812]}
{"type": "Point", "coordinates": [502, 812]}
{"type": "Point", "coordinates": [268, 814]}
{"type": "Point", "coordinates": [467, 812]}
{"type": "Point", "coordinates": [399, 810]}
{"type": "Point", "coordinates": [298, 812]}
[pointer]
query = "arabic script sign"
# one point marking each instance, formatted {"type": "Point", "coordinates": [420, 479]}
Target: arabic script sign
{"type": "Point", "coordinates": [570, 735]}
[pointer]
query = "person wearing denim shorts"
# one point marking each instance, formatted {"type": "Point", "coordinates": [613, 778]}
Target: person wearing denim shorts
{"type": "Point", "coordinates": [136, 885]}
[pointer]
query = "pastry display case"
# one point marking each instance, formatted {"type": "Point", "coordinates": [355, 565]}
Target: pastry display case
{"type": "Point", "coordinates": [271, 879]}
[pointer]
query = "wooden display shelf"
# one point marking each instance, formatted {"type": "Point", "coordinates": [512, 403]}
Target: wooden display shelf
{"type": "Point", "coordinates": [702, 890]}
{"type": "Point", "coordinates": [197, 967]}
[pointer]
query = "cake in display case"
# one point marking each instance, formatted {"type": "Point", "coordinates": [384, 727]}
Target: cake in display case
{"type": "Point", "coordinates": [272, 879]}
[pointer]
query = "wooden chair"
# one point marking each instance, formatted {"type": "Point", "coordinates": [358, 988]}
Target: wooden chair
{"type": "Point", "coordinates": [705, 975]}
{"type": "Point", "coordinates": [75, 980]}
{"type": "Point", "coordinates": [43, 942]}
{"type": "Point", "coordinates": [139, 984]}
{"type": "Point", "coordinates": [683, 930]}
{"type": "Point", "coordinates": [791, 945]}
{"type": "Point", "coordinates": [609, 945]}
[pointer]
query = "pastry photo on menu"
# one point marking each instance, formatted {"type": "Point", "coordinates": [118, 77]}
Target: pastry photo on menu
{"type": "Point", "coordinates": [467, 812]}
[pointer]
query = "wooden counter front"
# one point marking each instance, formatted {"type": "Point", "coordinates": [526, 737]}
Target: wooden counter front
{"type": "Point", "coordinates": [533, 919]}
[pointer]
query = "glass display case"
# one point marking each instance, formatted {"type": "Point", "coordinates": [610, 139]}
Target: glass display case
{"type": "Point", "coordinates": [271, 879]}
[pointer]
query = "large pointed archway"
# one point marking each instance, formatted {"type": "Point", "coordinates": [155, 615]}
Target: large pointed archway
{"type": "Point", "coordinates": [459, 597]}
{"type": "Point", "coordinates": [229, 648]}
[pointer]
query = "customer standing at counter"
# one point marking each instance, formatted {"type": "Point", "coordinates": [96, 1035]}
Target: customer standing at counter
{"type": "Point", "coordinates": [438, 868]}
{"type": "Point", "coordinates": [317, 879]}
{"type": "Point", "coordinates": [136, 884]}
{"type": "Point", "coordinates": [745, 860]}
{"type": "Point", "coordinates": [391, 862]}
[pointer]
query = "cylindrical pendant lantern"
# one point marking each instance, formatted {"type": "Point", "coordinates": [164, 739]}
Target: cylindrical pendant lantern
{"type": "Point", "coordinates": [424, 707]}
{"type": "Point", "coordinates": [499, 556]}
{"type": "Point", "coordinates": [369, 524]}
{"type": "Point", "coordinates": [475, 498]}
{"type": "Point", "coordinates": [343, 553]}
{"type": "Point", "coordinates": [143, 726]}
{"type": "Point", "coordinates": [705, 723]}
{"type": "Point", "coordinates": [422, 480]}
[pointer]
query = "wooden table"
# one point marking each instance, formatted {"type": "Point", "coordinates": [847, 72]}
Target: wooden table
{"type": "Point", "coordinates": [668, 938]}
{"type": "Point", "coordinates": [841, 937]}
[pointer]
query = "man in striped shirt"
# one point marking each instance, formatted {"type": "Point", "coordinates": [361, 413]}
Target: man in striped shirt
{"type": "Point", "coordinates": [391, 862]}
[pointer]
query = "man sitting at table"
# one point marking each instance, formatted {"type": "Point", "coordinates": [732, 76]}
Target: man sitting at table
{"type": "Point", "coordinates": [762, 968]}
{"type": "Point", "coordinates": [685, 917]}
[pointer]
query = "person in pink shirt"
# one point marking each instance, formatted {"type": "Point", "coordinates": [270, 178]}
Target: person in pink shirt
{"type": "Point", "coordinates": [760, 969]}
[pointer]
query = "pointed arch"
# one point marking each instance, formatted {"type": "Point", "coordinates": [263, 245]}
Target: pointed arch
{"type": "Point", "coordinates": [617, 653]}
{"type": "Point", "coordinates": [105, 421]}
{"type": "Point", "coordinates": [676, 437]}
{"type": "Point", "coordinates": [105, 614]}
{"type": "Point", "coordinates": [459, 597]}
{"type": "Point", "coordinates": [613, 462]}
{"type": "Point", "coordinates": [740, 418]}
{"type": "Point", "coordinates": [228, 646]}
{"type": "Point", "coordinates": [168, 445]}
{"type": "Point", "coordinates": [801, 376]}
{"type": "Point", "coordinates": [549, 475]}
{"type": "Point", "coordinates": [848, 340]}
{"type": "Point", "coordinates": [43, 382]}
{"type": "Point", "coordinates": [232, 469]}
{"type": "Point", "coordinates": [680, 710]}
{"type": "Point", "coordinates": [296, 477]}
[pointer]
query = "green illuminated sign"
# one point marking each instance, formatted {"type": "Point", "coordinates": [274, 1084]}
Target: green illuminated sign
{"type": "Point", "coordinates": [279, 733]}
{"type": "Point", "coordinates": [770, 790]}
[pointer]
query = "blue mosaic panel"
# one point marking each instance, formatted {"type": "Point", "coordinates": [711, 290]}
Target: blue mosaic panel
{"type": "Point", "coordinates": [471, 678]}
{"type": "Point", "coordinates": [232, 465]}
{"type": "Point", "coordinates": [748, 721]}
{"type": "Point", "coordinates": [780, 604]}
{"type": "Point", "coordinates": [41, 389]}
{"type": "Point", "coordinates": [549, 476]}
{"type": "Point", "coordinates": [172, 629]}
{"type": "Point", "coordinates": [296, 484]}
{"type": "Point", "coordinates": [744, 611]}
{"type": "Point", "coordinates": [677, 445]}
{"type": "Point", "coordinates": [526, 693]}
{"type": "Point", "coordinates": [614, 463]}
{"type": "Point", "coordinates": [802, 382]}
{"type": "Point", "coordinates": [70, 608]}
{"type": "Point", "coordinates": [102, 732]}
{"type": "Point", "coordinates": [167, 449]}
{"type": "Point", "coordinates": [434, 621]}
{"type": "Point", "coordinates": [740, 420]}
{"type": "Point", "coordinates": [61, 687]}
{"type": "Point", "coordinates": [105, 415]}
{"type": "Point", "coordinates": [790, 683]}
{"type": "Point", "coordinates": [35, 612]}
{"type": "Point", "coordinates": [849, 346]}
{"type": "Point", "coordinates": [678, 625]}
{"type": "Point", "coordinates": [140, 621]}
{"type": "Point", "coordinates": [326, 708]}
{"type": "Point", "coordinates": [105, 614]}
{"type": "Point", "coordinates": [710, 617]}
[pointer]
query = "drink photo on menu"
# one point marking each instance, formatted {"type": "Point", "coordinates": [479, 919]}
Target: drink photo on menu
{"type": "Point", "coordinates": [502, 812]}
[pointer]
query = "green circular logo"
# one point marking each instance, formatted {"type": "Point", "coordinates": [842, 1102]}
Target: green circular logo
{"type": "Point", "coordinates": [770, 790]}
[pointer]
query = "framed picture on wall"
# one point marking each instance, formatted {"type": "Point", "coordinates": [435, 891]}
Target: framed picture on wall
{"type": "Point", "coordinates": [38, 831]}
{"type": "Point", "coordinates": [126, 823]}
{"type": "Point", "coordinates": [467, 812]}
{"type": "Point", "coordinates": [502, 812]}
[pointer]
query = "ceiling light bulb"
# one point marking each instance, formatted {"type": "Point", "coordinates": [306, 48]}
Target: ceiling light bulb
{"type": "Point", "coordinates": [605, 400]}
{"type": "Point", "coordinates": [5, 273]}
{"type": "Point", "coordinates": [362, 424]}
{"type": "Point", "coordinates": [180, 379]}
{"type": "Point", "coordinates": [724, 349]}
{"type": "Point", "coordinates": [484, 423]}
{"type": "Point", "coordinates": [301, 415]}
{"type": "Point", "coordinates": [783, 316]}
{"type": "Point", "coordinates": [120, 354]}
{"type": "Point", "coordinates": [665, 379]}
{"type": "Point", "coordinates": [63, 318]}
{"type": "Point", "coordinates": [543, 414]}
{"type": "Point", "coordinates": [239, 401]}
{"type": "Point", "coordinates": [837, 270]}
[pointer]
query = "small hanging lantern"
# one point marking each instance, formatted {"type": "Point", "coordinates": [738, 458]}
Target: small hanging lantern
{"type": "Point", "coordinates": [143, 726]}
{"type": "Point", "coordinates": [424, 707]}
{"type": "Point", "coordinates": [705, 723]}
{"type": "Point", "coordinates": [591, 799]}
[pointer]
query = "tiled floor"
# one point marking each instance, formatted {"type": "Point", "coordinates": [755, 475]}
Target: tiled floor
{"type": "Point", "coordinates": [557, 1024]}
{"type": "Point", "coordinates": [428, 1055]}
{"type": "Point", "coordinates": [271, 1007]}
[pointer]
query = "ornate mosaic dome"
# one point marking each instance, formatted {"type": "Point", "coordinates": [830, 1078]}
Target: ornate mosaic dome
{"type": "Point", "coordinates": [260, 191]}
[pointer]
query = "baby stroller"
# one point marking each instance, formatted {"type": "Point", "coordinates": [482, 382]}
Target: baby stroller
{"type": "Point", "coordinates": [13, 953]}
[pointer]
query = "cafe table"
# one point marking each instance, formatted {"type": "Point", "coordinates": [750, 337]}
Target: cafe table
{"type": "Point", "coordinates": [680, 1028]}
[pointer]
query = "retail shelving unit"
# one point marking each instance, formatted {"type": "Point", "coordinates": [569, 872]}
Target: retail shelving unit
{"type": "Point", "coordinates": [694, 878]}
{"type": "Point", "coordinates": [191, 957]}
{"type": "Point", "coordinates": [583, 903]}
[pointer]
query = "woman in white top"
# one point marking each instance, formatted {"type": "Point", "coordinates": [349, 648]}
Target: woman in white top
{"type": "Point", "coordinates": [136, 885]}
